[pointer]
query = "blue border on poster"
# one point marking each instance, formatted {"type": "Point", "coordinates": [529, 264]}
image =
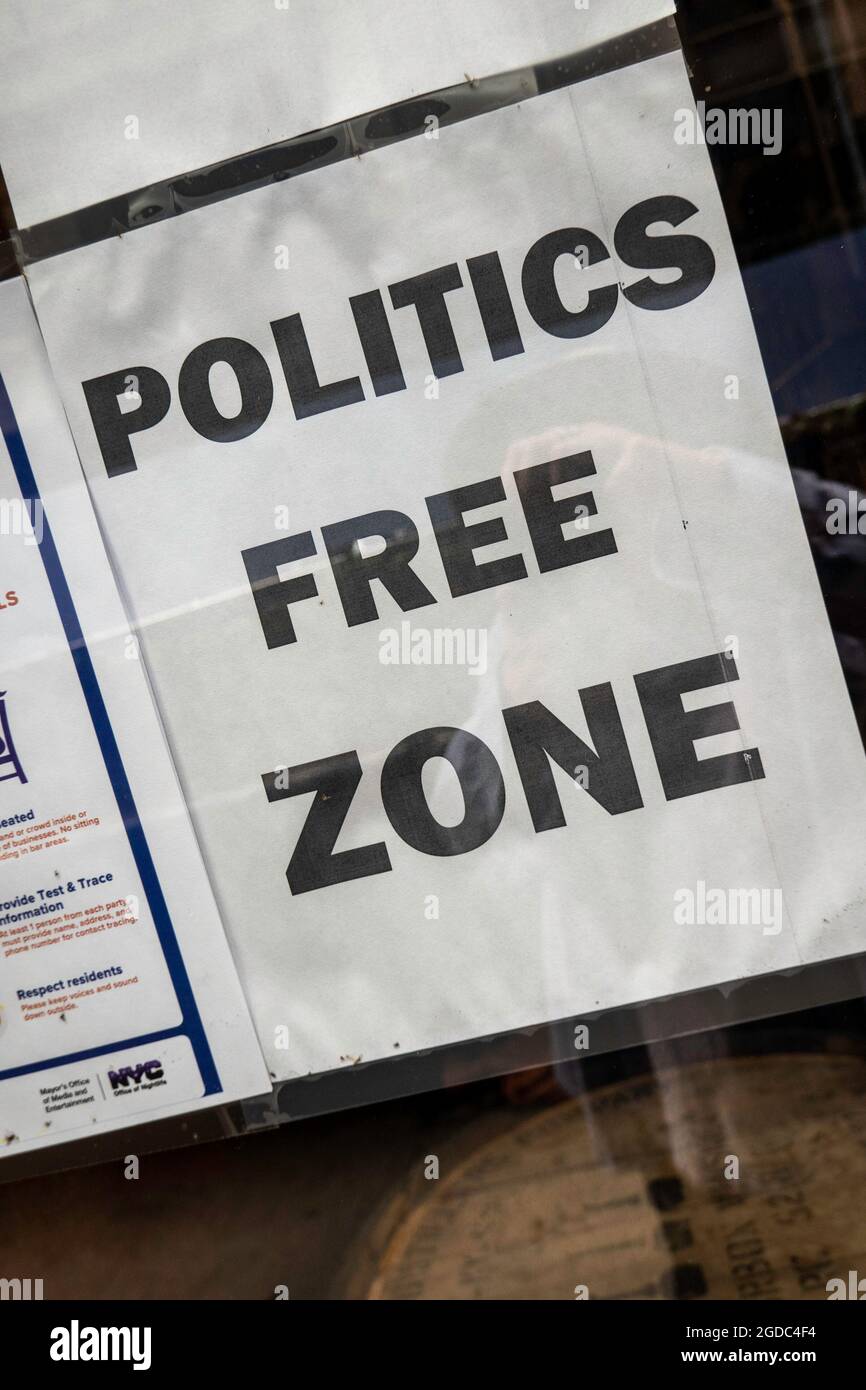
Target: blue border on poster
{"type": "Point", "coordinates": [191, 1026]}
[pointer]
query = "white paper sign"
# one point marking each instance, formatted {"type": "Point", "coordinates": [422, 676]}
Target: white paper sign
{"type": "Point", "coordinates": [448, 492]}
{"type": "Point", "coordinates": [119, 1001]}
{"type": "Point", "coordinates": [98, 99]}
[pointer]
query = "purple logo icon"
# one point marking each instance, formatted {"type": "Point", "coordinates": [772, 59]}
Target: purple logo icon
{"type": "Point", "coordinates": [8, 756]}
{"type": "Point", "coordinates": [143, 1071]}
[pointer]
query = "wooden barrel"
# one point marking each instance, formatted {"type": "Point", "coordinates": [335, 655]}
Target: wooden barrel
{"type": "Point", "coordinates": [730, 1178]}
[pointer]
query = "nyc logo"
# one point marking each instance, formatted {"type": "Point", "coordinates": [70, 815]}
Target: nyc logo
{"type": "Point", "coordinates": [8, 757]}
{"type": "Point", "coordinates": [143, 1071]}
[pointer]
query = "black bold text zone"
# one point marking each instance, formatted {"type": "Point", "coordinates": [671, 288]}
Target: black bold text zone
{"type": "Point", "coordinates": [538, 738]}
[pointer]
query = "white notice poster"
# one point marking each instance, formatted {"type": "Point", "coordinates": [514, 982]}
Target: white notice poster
{"type": "Point", "coordinates": [447, 491]}
{"type": "Point", "coordinates": [119, 1000]}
